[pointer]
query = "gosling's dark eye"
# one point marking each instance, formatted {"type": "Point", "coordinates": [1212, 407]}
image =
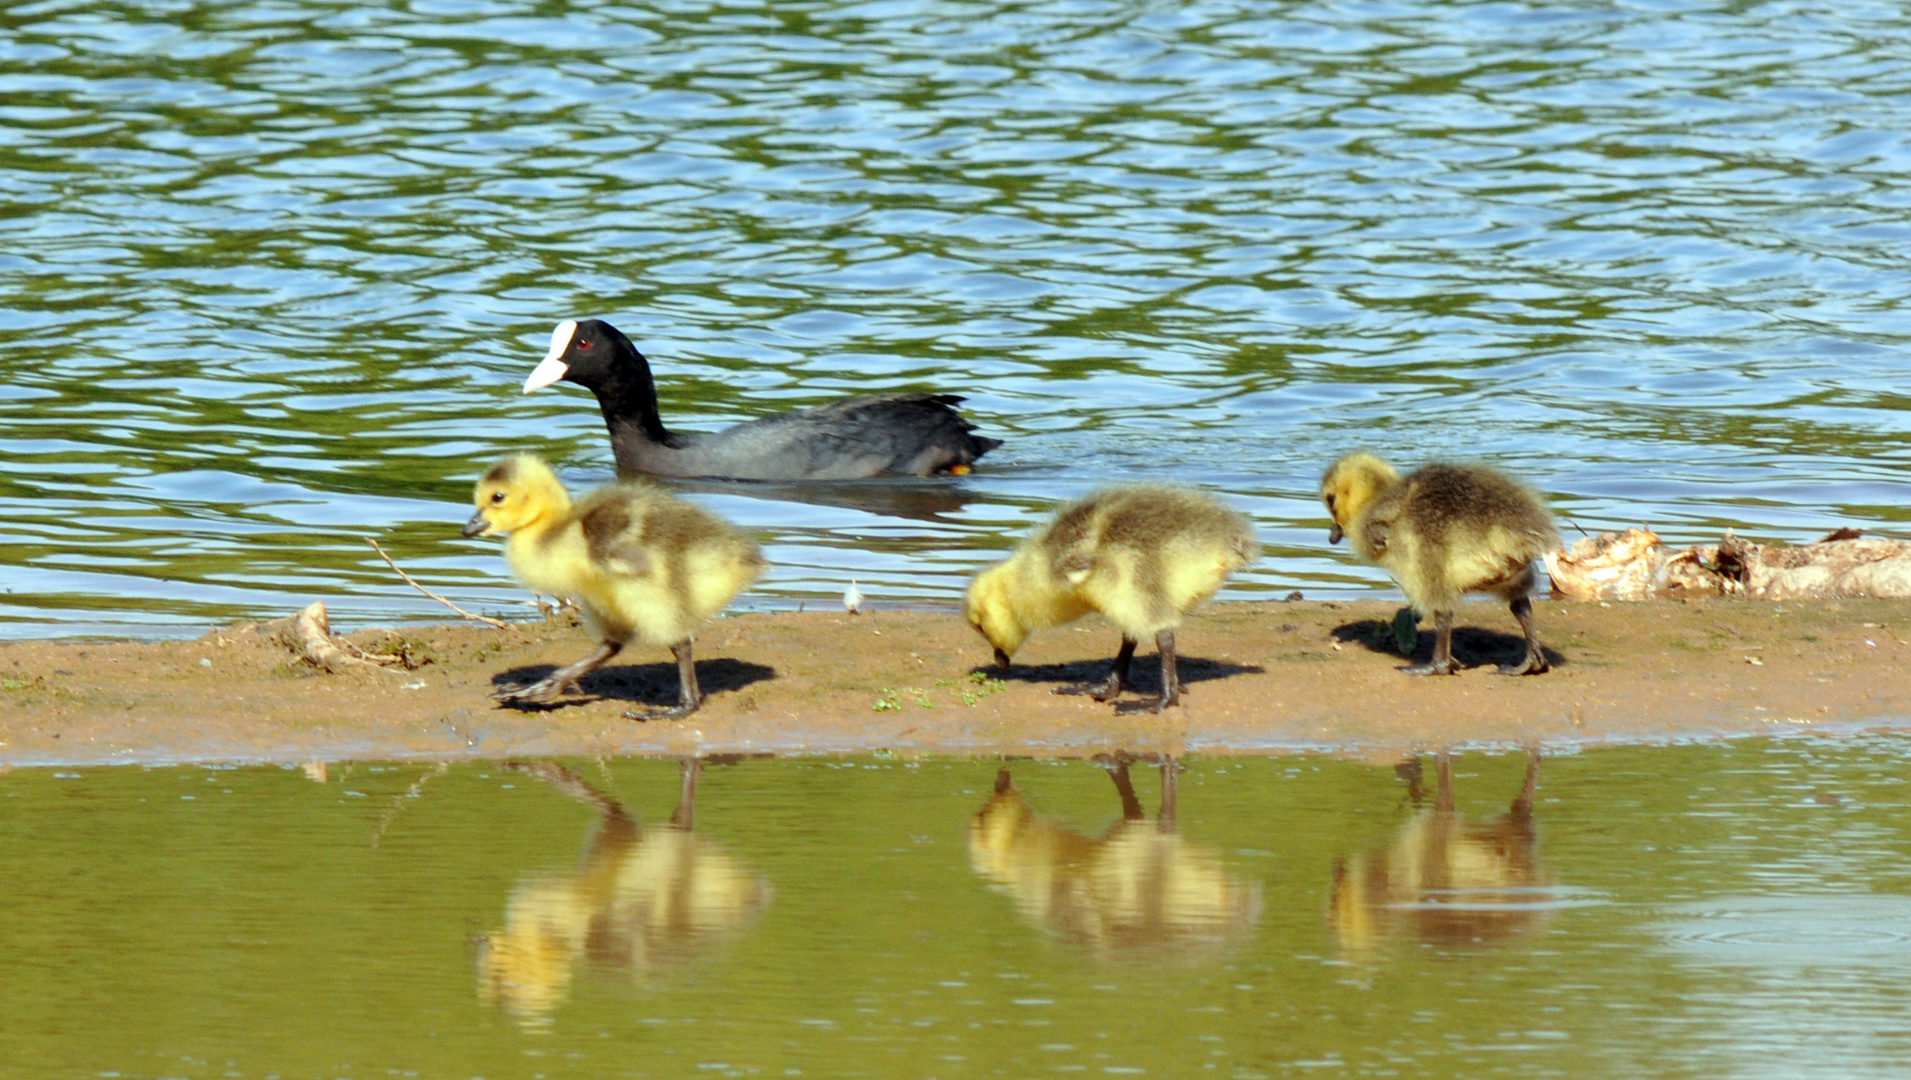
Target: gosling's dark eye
{"type": "Point", "coordinates": [1330, 502]}
{"type": "Point", "coordinates": [497, 497]}
{"type": "Point", "coordinates": [583, 343]}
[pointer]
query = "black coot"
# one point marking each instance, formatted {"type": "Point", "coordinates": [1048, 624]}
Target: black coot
{"type": "Point", "coordinates": [857, 437]}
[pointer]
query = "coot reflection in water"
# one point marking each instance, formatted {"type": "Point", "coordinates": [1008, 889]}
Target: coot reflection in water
{"type": "Point", "coordinates": [907, 498]}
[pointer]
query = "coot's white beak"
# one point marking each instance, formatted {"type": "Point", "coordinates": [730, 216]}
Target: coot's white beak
{"type": "Point", "coordinates": [552, 368]}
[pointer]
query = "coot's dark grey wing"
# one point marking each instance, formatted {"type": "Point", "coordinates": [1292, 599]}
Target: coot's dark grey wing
{"type": "Point", "coordinates": [919, 434]}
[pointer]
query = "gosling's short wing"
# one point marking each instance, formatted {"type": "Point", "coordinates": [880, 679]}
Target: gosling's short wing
{"type": "Point", "coordinates": [613, 535]}
{"type": "Point", "coordinates": [1067, 544]}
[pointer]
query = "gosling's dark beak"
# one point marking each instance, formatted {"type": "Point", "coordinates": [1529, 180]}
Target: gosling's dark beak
{"type": "Point", "coordinates": [1334, 534]}
{"type": "Point", "coordinates": [1001, 659]}
{"type": "Point", "coordinates": [476, 525]}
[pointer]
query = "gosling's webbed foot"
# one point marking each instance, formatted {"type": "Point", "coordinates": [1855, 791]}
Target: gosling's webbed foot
{"type": "Point", "coordinates": [675, 712]}
{"type": "Point", "coordinates": [1434, 667]}
{"type": "Point", "coordinates": [1106, 690]}
{"type": "Point", "coordinates": [1153, 706]}
{"type": "Point", "coordinates": [1534, 664]}
{"type": "Point", "coordinates": [542, 690]}
{"type": "Point", "coordinates": [558, 682]}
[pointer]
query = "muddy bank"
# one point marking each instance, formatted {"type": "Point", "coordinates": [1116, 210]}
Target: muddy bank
{"type": "Point", "coordinates": [1259, 678]}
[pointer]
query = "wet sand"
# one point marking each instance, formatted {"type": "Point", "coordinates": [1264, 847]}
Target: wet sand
{"type": "Point", "coordinates": [1259, 678]}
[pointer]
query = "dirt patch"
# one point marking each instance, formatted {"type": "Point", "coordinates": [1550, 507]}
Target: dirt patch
{"type": "Point", "coordinates": [1259, 678]}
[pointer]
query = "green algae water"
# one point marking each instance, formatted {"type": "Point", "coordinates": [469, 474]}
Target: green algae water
{"type": "Point", "coordinates": [1738, 909]}
{"type": "Point", "coordinates": [273, 272]}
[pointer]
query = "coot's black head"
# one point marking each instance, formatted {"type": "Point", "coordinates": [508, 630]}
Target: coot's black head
{"type": "Point", "coordinates": [586, 353]}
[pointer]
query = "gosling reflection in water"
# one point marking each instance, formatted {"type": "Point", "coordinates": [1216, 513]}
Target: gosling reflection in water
{"type": "Point", "coordinates": [645, 900]}
{"type": "Point", "coordinates": [1139, 887]}
{"type": "Point", "coordinates": [1445, 881]}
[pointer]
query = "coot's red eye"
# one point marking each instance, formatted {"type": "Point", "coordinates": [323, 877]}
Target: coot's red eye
{"type": "Point", "coordinates": [583, 343]}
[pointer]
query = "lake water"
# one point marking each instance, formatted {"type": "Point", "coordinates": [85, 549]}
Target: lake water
{"type": "Point", "coordinates": [1704, 911]}
{"type": "Point", "coordinates": [273, 272]}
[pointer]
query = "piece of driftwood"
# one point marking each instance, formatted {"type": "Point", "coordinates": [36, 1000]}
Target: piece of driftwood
{"type": "Point", "coordinates": [1636, 565]}
{"type": "Point", "coordinates": [311, 634]}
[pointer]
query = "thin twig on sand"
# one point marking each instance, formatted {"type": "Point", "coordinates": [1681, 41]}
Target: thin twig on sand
{"type": "Point", "coordinates": [485, 619]}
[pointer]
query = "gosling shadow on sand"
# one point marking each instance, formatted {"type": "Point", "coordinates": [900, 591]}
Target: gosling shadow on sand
{"type": "Point", "coordinates": [640, 684]}
{"type": "Point", "coordinates": [1472, 646]}
{"type": "Point", "coordinates": [1144, 676]}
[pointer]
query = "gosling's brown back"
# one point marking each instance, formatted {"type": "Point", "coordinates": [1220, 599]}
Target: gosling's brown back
{"type": "Point", "coordinates": [632, 523]}
{"type": "Point", "coordinates": [1448, 501]}
{"type": "Point", "coordinates": [665, 566]}
{"type": "Point", "coordinates": [1143, 555]}
{"type": "Point", "coordinates": [1141, 518]}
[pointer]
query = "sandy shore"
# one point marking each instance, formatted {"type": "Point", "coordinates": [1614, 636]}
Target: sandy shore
{"type": "Point", "coordinates": [1260, 678]}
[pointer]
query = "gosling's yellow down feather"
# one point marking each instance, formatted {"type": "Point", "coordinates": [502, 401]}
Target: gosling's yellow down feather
{"type": "Point", "coordinates": [641, 565]}
{"type": "Point", "coordinates": [1444, 531]}
{"type": "Point", "coordinates": [1143, 556]}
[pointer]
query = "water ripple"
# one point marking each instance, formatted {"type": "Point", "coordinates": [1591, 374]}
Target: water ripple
{"type": "Point", "coordinates": [275, 270]}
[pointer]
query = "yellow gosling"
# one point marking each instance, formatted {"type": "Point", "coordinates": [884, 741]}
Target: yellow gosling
{"type": "Point", "coordinates": [641, 565]}
{"type": "Point", "coordinates": [1143, 556]}
{"type": "Point", "coordinates": [1444, 531]}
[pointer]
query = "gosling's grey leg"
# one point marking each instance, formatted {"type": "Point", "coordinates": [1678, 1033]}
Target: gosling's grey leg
{"type": "Point", "coordinates": [1170, 786]}
{"type": "Point", "coordinates": [686, 813]}
{"type": "Point", "coordinates": [564, 678]}
{"type": "Point", "coordinates": [1117, 679]}
{"type": "Point", "coordinates": [1412, 772]}
{"type": "Point", "coordinates": [1125, 787]}
{"type": "Point", "coordinates": [1535, 661]}
{"type": "Point", "coordinates": [1170, 680]}
{"type": "Point", "coordinates": [1442, 663]}
{"type": "Point", "coordinates": [689, 696]}
{"type": "Point", "coordinates": [1522, 809]}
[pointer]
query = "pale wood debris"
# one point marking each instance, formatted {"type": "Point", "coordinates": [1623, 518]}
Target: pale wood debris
{"type": "Point", "coordinates": [311, 634]}
{"type": "Point", "coordinates": [1636, 565]}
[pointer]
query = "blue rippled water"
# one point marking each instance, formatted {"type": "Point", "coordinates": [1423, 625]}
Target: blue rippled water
{"type": "Point", "coordinates": [273, 271]}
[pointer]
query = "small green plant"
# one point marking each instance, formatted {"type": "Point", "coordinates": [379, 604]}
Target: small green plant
{"type": "Point", "coordinates": [981, 685]}
{"type": "Point", "coordinates": [13, 684]}
{"type": "Point", "coordinates": [886, 701]}
{"type": "Point", "coordinates": [1406, 631]}
{"type": "Point", "coordinates": [412, 652]}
